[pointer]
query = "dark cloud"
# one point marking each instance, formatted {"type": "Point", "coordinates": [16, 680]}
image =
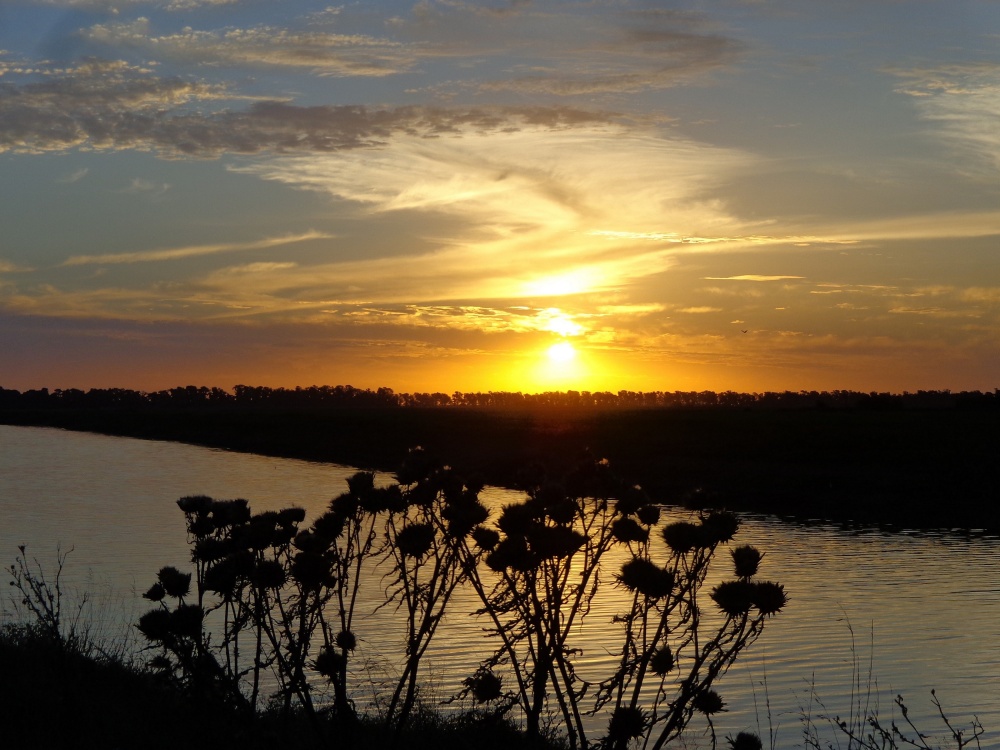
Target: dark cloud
{"type": "Point", "coordinates": [661, 51]}
{"type": "Point", "coordinates": [110, 106]}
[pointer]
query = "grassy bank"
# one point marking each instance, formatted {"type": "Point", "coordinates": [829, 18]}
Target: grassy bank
{"type": "Point", "coordinates": [54, 694]}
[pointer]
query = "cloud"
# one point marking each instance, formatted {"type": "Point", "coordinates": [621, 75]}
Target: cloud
{"type": "Point", "coordinates": [76, 176]}
{"type": "Point", "coordinates": [140, 185]}
{"type": "Point", "coordinates": [525, 209]}
{"type": "Point", "coordinates": [632, 61]}
{"type": "Point", "coordinates": [260, 47]}
{"type": "Point", "coordinates": [963, 100]}
{"type": "Point", "coordinates": [495, 221]}
{"type": "Point", "coordinates": [7, 267]}
{"type": "Point", "coordinates": [177, 253]}
{"type": "Point", "coordinates": [113, 6]}
{"type": "Point", "coordinates": [111, 105]}
{"type": "Point", "coordinates": [751, 277]}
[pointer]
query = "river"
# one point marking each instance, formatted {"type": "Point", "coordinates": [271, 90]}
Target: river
{"type": "Point", "coordinates": [894, 613]}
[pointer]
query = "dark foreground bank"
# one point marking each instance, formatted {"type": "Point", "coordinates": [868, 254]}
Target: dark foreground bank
{"type": "Point", "coordinates": [902, 468]}
{"type": "Point", "coordinates": [55, 694]}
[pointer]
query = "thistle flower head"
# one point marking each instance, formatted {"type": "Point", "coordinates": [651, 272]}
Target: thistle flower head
{"type": "Point", "coordinates": [487, 539]}
{"type": "Point", "coordinates": [734, 597]}
{"type": "Point", "coordinates": [485, 686]}
{"type": "Point", "coordinates": [646, 577]}
{"type": "Point", "coordinates": [769, 597]}
{"type": "Point", "coordinates": [175, 583]}
{"type": "Point", "coordinates": [361, 483]}
{"type": "Point", "coordinates": [329, 662]}
{"type": "Point", "coordinates": [745, 741]}
{"type": "Point", "coordinates": [554, 541]}
{"type": "Point", "coordinates": [746, 560]}
{"type": "Point", "coordinates": [155, 593]}
{"type": "Point", "coordinates": [155, 624]}
{"type": "Point", "coordinates": [311, 570]}
{"type": "Point", "coordinates": [415, 540]}
{"type": "Point", "coordinates": [662, 661]}
{"type": "Point", "coordinates": [720, 525]}
{"type": "Point", "coordinates": [627, 530]}
{"type": "Point", "coordinates": [682, 536]}
{"type": "Point", "coordinates": [649, 514]}
{"type": "Point", "coordinates": [346, 640]}
{"type": "Point", "coordinates": [708, 702]}
{"type": "Point", "coordinates": [185, 621]}
{"type": "Point", "coordinates": [626, 723]}
{"type": "Point", "coordinates": [269, 574]}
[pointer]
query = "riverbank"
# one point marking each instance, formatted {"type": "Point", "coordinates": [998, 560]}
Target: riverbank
{"type": "Point", "coordinates": [933, 468]}
{"type": "Point", "coordinates": [59, 694]}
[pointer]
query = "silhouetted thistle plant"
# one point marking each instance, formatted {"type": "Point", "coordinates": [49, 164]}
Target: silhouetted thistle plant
{"type": "Point", "coordinates": [745, 741]}
{"type": "Point", "coordinates": [425, 545]}
{"type": "Point", "coordinates": [538, 585]}
{"type": "Point", "coordinates": [672, 654]}
{"type": "Point", "coordinates": [485, 686]}
{"type": "Point", "coordinates": [626, 723]}
{"type": "Point", "coordinates": [287, 596]}
{"type": "Point", "coordinates": [746, 560]}
{"type": "Point", "coordinates": [647, 578]}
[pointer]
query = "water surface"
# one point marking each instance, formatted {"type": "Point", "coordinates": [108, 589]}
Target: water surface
{"type": "Point", "coordinates": [914, 611]}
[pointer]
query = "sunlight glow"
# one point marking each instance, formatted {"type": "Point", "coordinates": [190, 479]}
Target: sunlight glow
{"type": "Point", "coordinates": [556, 321]}
{"type": "Point", "coordinates": [562, 352]}
{"type": "Point", "coordinates": [572, 282]}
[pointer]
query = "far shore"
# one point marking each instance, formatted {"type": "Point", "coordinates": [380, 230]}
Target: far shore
{"type": "Point", "coordinates": [898, 469]}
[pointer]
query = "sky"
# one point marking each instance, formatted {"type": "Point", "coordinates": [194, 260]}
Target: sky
{"type": "Point", "coordinates": [514, 195]}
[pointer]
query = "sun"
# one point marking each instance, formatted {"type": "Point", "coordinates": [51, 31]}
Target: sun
{"type": "Point", "coordinates": [561, 352]}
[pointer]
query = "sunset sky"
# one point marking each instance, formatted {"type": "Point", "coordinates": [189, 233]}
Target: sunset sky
{"type": "Point", "coordinates": [504, 195]}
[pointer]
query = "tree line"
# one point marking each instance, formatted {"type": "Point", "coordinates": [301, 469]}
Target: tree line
{"type": "Point", "coordinates": [347, 396]}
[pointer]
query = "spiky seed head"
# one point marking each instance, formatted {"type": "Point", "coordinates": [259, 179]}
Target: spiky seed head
{"type": "Point", "coordinates": [311, 570]}
{"type": "Point", "coordinates": [769, 597]}
{"type": "Point", "coordinates": [194, 503]}
{"type": "Point", "coordinates": [175, 583]}
{"type": "Point", "coordinates": [662, 661]}
{"type": "Point", "coordinates": [734, 597]}
{"type": "Point", "coordinates": [682, 536]}
{"type": "Point", "coordinates": [554, 541]}
{"type": "Point", "coordinates": [485, 686]}
{"type": "Point", "coordinates": [628, 530]}
{"type": "Point", "coordinates": [487, 539]}
{"type": "Point", "coordinates": [708, 702]}
{"type": "Point", "coordinates": [649, 514]}
{"type": "Point", "coordinates": [630, 499]}
{"type": "Point", "coordinates": [361, 483]}
{"type": "Point", "coordinates": [745, 741]}
{"type": "Point", "coordinates": [290, 516]}
{"type": "Point", "coordinates": [329, 662]}
{"type": "Point", "coordinates": [646, 577]}
{"type": "Point", "coordinates": [720, 526]}
{"type": "Point", "coordinates": [185, 621]}
{"type": "Point", "coordinates": [155, 593]}
{"type": "Point", "coordinates": [516, 519]}
{"type": "Point", "coordinates": [155, 624]}
{"type": "Point", "coordinates": [626, 723]}
{"type": "Point", "coordinates": [346, 640]}
{"type": "Point", "coordinates": [415, 540]}
{"type": "Point", "coordinates": [329, 526]}
{"type": "Point", "coordinates": [463, 515]}
{"type": "Point", "coordinates": [746, 560]}
{"type": "Point", "coordinates": [269, 574]}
